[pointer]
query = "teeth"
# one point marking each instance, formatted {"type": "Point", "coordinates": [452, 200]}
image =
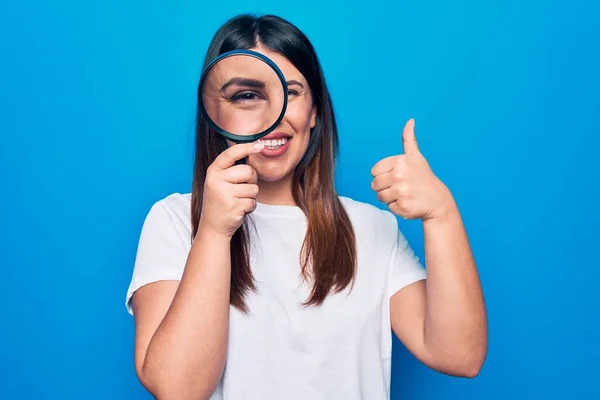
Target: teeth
{"type": "Point", "coordinates": [273, 143]}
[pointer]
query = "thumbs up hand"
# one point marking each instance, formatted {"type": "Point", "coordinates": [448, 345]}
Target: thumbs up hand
{"type": "Point", "coordinates": [407, 184]}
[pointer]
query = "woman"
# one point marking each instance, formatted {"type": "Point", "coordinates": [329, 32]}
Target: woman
{"type": "Point", "coordinates": [265, 284]}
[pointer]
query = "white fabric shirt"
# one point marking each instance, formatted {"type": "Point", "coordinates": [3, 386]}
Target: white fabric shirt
{"type": "Point", "coordinates": [282, 350]}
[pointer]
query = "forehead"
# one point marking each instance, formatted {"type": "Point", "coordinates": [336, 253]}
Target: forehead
{"type": "Point", "coordinates": [287, 68]}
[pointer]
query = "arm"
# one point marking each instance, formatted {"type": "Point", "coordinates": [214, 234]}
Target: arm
{"type": "Point", "coordinates": [182, 329]}
{"type": "Point", "coordinates": [442, 320]}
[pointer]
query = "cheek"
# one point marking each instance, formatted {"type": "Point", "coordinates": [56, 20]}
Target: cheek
{"type": "Point", "coordinates": [299, 117]}
{"type": "Point", "coordinates": [302, 144]}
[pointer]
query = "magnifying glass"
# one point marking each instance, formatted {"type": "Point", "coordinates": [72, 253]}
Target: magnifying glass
{"type": "Point", "coordinates": [244, 95]}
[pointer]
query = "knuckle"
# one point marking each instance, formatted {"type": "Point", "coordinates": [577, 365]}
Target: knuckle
{"type": "Point", "coordinates": [229, 202]}
{"type": "Point", "coordinates": [210, 171]}
{"type": "Point", "coordinates": [252, 206]}
{"type": "Point", "coordinates": [210, 181]}
{"type": "Point", "coordinates": [397, 174]}
{"type": "Point", "coordinates": [401, 163]}
{"type": "Point", "coordinates": [401, 188]}
{"type": "Point", "coordinates": [245, 205]}
{"type": "Point", "coordinates": [248, 171]}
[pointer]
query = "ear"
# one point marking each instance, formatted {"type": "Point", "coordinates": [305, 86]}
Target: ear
{"type": "Point", "coordinates": [313, 116]}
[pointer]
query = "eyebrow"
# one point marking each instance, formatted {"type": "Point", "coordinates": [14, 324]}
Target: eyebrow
{"type": "Point", "coordinates": [253, 83]}
{"type": "Point", "coordinates": [295, 83]}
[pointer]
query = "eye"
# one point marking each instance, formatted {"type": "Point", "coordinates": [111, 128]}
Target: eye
{"type": "Point", "coordinates": [292, 92]}
{"type": "Point", "coordinates": [245, 96]}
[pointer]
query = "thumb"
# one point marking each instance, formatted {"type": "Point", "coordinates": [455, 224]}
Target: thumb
{"type": "Point", "coordinates": [409, 140]}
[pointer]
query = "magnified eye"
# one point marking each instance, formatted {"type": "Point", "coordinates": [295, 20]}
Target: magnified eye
{"type": "Point", "coordinates": [246, 96]}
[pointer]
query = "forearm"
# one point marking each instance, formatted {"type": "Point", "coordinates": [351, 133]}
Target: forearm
{"type": "Point", "coordinates": [455, 317]}
{"type": "Point", "coordinates": [186, 355]}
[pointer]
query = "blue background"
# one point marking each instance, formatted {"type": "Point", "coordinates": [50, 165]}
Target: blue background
{"type": "Point", "coordinates": [97, 104]}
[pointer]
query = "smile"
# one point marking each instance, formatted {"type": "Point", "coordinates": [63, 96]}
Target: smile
{"type": "Point", "coordinates": [273, 144]}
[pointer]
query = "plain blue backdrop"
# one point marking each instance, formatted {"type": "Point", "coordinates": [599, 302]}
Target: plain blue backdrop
{"type": "Point", "coordinates": [97, 103]}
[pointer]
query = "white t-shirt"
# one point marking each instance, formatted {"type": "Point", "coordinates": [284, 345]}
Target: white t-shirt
{"type": "Point", "coordinates": [282, 350]}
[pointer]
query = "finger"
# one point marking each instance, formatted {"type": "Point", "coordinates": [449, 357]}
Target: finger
{"type": "Point", "coordinates": [244, 190]}
{"type": "Point", "coordinates": [383, 166]}
{"type": "Point", "coordinates": [386, 196]}
{"type": "Point", "coordinates": [394, 207]}
{"type": "Point", "coordinates": [409, 140]}
{"type": "Point", "coordinates": [382, 181]}
{"type": "Point", "coordinates": [247, 205]}
{"type": "Point", "coordinates": [241, 173]}
{"type": "Point", "coordinates": [236, 152]}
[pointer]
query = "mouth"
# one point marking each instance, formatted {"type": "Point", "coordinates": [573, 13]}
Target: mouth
{"type": "Point", "coordinates": [275, 140]}
{"type": "Point", "coordinates": [276, 144]}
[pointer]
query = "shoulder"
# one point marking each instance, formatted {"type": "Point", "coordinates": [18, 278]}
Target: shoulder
{"type": "Point", "coordinates": [164, 243]}
{"type": "Point", "coordinates": [367, 218]}
{"type": "Point", "coordinates": [176, 204]}
{"type": "Point", "coordinates": [170, 214]}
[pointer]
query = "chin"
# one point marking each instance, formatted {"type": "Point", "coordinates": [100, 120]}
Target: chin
{"type": "Point", "coordinates": [271, 172]}
{"type": "Point", "coordinates": [273, 169]}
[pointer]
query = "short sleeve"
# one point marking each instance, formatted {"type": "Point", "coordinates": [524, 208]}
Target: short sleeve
{"type": "Point", "coordinates": [405, 267]}
{"type": "Point", "coordinates": [162, 251]}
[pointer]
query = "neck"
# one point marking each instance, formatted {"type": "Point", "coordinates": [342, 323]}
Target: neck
{"type": "Point", "coordinates": [276, 193]}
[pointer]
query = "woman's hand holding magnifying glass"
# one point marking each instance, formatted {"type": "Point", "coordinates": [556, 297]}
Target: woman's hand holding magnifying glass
{"type": "Point", "coordinates": [407, 184]}
{"type": "Point", "coordinates": [230, 191]}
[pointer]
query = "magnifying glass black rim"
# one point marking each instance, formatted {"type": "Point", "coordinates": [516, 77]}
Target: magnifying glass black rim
{"type": "Point", "coordinates": [232, 136]}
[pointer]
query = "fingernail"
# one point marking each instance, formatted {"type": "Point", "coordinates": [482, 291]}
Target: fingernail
{"type": "Point", "coordinates": [259, 146]}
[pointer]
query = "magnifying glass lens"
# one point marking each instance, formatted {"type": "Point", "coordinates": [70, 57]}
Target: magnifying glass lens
{"type": "Point", "coordinates": [243, 97]}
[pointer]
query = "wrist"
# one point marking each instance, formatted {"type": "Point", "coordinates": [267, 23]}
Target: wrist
{"type": "Point", "coordinates": [446, 208]}
{"type": "Point", "coordinates": [206, 232]}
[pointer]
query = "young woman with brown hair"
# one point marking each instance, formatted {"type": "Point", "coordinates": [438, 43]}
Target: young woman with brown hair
{"type": "Point", "coordinates": [264, 283]}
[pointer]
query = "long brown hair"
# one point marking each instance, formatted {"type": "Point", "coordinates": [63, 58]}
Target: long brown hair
{"type": "Point", "coordinates": [328, 257]}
